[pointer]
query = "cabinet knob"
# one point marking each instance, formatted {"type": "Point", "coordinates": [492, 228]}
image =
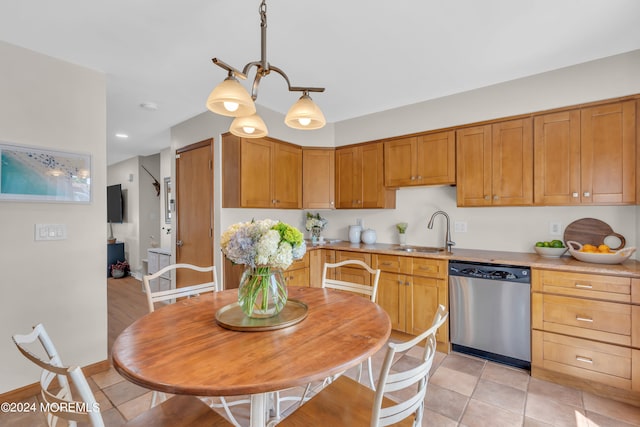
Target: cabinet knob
{"type": "Point", "coordinates": [574, 194]}
{"type": "Point", "coordinates": [413, 178]}
{"type": "Point", "coordinates": [586, 194]}
{"type": "Point", "coordinates": [486, 197]}
{"type": "Point", "coordinates": [496, 197]}
{"type": "Point", "coordinates": [419, 176]}
{"type": "Point", "coordinates": [331, 203]}
{"type": "Point", "coordinates": [273, 201]}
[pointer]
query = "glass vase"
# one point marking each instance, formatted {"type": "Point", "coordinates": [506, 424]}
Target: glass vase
{"type": "Point", "coordinates": [262, 292]}
{"type": "Point", "coordinates": [315, 234]}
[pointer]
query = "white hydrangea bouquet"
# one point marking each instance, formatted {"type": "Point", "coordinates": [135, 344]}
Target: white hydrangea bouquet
{"type": "Point", "coordinates": [266, 247]}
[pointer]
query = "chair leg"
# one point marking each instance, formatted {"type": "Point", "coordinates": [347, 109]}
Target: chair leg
{"type": "Point", "coordinates": [370, 369]}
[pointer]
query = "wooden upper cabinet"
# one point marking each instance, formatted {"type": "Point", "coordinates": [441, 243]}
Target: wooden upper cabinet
{"type": "Point", "coordinates": [427, 159]}
{"type": "Point", "coordinates": [318, 178]}
{"type": "Point", "coordinates": [557, 158]}
{"type": "Point", "coordinates": [261, 173]}
{"type": "Point", "coordinates": [586, 156]}
{"type": "Point", "coordinates": [360, 178]}
{"type": "Point", "coordinates": [608, 153]}
{"type": "Point", "coordinates": [495, 164]}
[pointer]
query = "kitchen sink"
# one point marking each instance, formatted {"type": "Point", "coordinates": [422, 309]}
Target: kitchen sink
{"type": "Point", "coordinates": [420, 249]}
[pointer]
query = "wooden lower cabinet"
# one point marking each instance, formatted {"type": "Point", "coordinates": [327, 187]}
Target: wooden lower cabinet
{"type": "Point", "coordinates": [586, 332]}
{"type": "Point", "coordinates": [410, 290]}
{"type": "Point", "coordinates": [298, 273]}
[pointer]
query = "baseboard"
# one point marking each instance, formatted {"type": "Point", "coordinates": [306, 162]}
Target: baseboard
{"type": "Point", "coordinates": [30, 390]}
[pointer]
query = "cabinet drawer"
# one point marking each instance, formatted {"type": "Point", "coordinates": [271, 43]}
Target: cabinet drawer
{"type": "Point", "coordinates": [345, 255]}
{"type": "Point", "coordinates": [300, 263]}
{"type": "Point", "coordinates": [353, 274]}
{"type": "Point", "coordinates": [582, 285]}
{"type": "Point", "coordinates": [597, 320]}
{"type": "Point", "coordinates": [388, 263]}
{"type": "Point", "coordinates": [429, 267]}
{"type": "Point", "coordinates": [604, 363]}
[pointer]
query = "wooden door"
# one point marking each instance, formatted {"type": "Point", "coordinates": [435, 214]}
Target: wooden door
{"type": "Point", "coordinates": [286, 173]}
{"type": "Point", "coordinates": [426, 294]}
{"type": "Point", "coordinates": [256, 181]}
{"type": "Point", "coordinates": [194, 210]}
{"type": "Point", "coordinates": [512, 163]}
{"type": "Point", "coordinates": [473, 172]}
{"type": "Point", "coordinates": [318, 178]}
{"type": "Point", "coordinates": [400, 162]}
{"type": "Point", "coordinates": [372, 181]}
{"type": "Point", "coordinates": [392, 290]}
{"type": "Point", "coordinates": [556, 162]}
{"type": "Point", "coordinates": [436, 158]}
{"type": "Point", "coordinates": [608, 156]}
{"type": "Point", "coordinates": [348, 177]}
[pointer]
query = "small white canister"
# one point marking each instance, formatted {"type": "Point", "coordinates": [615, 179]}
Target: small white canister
{"type": "Point", "coordinates": [369, 236]}
{"type": "Point", "coordinates": [354, 233]}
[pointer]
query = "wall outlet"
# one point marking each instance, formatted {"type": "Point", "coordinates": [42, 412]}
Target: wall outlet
{"type": "Point", "coordinates": [555, 228]}
{"type": "Point", "coordinates": [460, 226]}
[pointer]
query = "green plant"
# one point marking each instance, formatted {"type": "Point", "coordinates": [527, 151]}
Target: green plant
{"type": "Point", "coordinates": [402, 227]}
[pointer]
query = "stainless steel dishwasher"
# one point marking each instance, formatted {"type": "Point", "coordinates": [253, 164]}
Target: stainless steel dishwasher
{"type": "Point", "coordinates": [489, 311]}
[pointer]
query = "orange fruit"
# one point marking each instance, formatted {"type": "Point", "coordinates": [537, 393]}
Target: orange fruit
{"type": "Point", "coordinates": [589, 248]}
{"type": "Point", "coordinates": [604, 249]}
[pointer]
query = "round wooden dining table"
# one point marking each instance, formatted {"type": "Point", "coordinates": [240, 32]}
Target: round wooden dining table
{"type": "Point", "coordinates": [181, 349]}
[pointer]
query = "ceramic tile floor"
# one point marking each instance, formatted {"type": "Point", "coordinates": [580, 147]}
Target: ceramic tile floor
{"type": "Point", "coordinates": [462, 391]}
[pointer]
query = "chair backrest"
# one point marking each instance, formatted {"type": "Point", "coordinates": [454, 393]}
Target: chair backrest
{"type": "Point", "coordinates": [370, 291]}
{"type": "Point", "coordinates": [58, 399]}
{"type": "Point", "coordinates": [406, 380]}
{"type": "Point", "coordinates": [186, 291]}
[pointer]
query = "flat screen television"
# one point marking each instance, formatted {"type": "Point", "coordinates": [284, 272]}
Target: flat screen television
{"type": "Point", "coordinates": [115, 203]}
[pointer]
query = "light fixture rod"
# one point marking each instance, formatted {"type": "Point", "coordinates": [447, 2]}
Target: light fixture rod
{"type": "Point", "coordinates": [229, 68]}
{"type": "Point", "coordinates": [263, 38]}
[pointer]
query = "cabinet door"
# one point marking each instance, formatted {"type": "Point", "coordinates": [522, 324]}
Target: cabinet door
{"type": "Point", "coordinates": [435, 157]}
{"type": "Point", "coordinates": [286, 167]}
{"type": "Point", "coordinates": [512, 163]}
{"type": "Point", "coordinates": [298, 277]}
{"type": "Point", "coordinates": [255, 173]}
{"type": "Point", "coordinates": [473, 172]}
{"type": "Point", "coordinates": [400, 162]}
{"type": "Point", "coordinates": [318, 178]}
{"type": "Point", "coordinates": [372, 181]}
{"type": "Point", "coordinates": [348, 178]}
{"type": "Point", "coordinates": [557, 158]}
{"type": "Point", "coordinates": [426, 295]}
{"type": "Point", "coordinates": [608, 156]}
{"type": "Point", "coordinates": [392, 290]}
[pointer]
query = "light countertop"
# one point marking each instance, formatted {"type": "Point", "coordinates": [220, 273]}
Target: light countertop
{"type": "Point", "coordinates": [629, 268]}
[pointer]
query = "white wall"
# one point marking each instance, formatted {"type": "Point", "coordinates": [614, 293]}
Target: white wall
{"type": "Point", "coordinates": [54, 105]}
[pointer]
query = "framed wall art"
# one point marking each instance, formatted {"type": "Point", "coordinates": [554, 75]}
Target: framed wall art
{"type": "Point", "coordinates": [40, 175]}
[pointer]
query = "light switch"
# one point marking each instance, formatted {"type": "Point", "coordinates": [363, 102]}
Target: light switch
{"type": "Point", "coordinates": [50, 232]}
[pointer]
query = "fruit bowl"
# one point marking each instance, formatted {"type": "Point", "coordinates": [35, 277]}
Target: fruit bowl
{"type": "Point", "coordinates": [616, 257]}
{"type": "Point", "coordinates": [549, 252]}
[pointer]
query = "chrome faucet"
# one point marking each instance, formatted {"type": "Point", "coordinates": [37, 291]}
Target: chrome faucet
{"type": "Point", "coordinates": [449, 243]}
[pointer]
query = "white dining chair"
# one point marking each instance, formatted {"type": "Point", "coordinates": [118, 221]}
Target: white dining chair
{"type": "Point", "coordinates": [348, 403]}
{"type": "Point", "coordinates": [370, 291]}
{"type": "Point", "coordinates": [70, 397]}
{"type": "Point", "coordinates": [170, 296]}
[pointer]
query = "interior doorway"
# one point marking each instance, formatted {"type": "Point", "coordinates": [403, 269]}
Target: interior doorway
{"type": "Point", "coordinates": [194, 210]}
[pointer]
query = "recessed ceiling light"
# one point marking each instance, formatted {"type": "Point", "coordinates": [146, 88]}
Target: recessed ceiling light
{"type": "Point", "coordinates": [151, 106]}
{"type": "Point", "coordinates": [122, 135]}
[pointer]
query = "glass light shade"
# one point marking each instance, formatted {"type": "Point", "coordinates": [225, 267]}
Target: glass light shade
{"type": "Point", "coordinates": [305, 114]}
{"type": "Point", "coordinates": [231, 99]}
{"type": "Point", "coordinates": [248, 127]}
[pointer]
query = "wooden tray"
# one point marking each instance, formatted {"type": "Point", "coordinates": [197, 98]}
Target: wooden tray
{"type": "Point", "coordinates": [232, 317]}
{"type": "Point", "coordinates": [592, 231]}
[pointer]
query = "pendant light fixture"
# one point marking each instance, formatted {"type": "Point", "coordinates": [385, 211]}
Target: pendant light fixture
{"type": "Point", "coordinates": [231, 99]}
